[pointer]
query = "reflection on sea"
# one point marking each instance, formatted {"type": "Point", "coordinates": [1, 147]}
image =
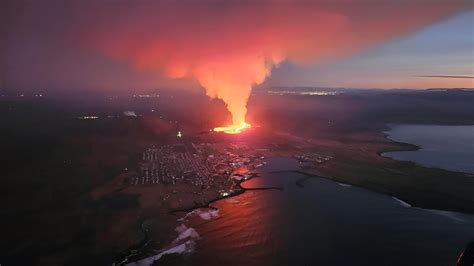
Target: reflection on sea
{"type": "Point", "coordinates": [250, 229]}
{"type": "Point", "coordinates": [325, 223]}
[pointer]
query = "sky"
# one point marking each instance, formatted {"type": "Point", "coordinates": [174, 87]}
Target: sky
{"type": "Point", "coordinates": [131, 45]}
{"type": "Point", "coordinates": [445, 48]}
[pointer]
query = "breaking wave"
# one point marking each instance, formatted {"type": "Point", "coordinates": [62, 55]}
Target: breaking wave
{"type": "Point", "coordinates": [344, 185]}
{"type": "Point", "coordinates": [184, 243]}
{"type": "Point", "coordinates": [403, 203]}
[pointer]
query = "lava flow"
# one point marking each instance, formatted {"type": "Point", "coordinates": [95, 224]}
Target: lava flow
{"type": "Point", "coordinates": [233, 129]}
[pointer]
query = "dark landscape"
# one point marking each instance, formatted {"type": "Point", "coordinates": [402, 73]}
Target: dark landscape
{"type": "Point", "coordinates": [236, 132]}
{"type": "Point", "coordinates": [68, 182]}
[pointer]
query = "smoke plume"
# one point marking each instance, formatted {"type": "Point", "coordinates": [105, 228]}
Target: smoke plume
{"type": "Point", "coordinates": [230, 46]}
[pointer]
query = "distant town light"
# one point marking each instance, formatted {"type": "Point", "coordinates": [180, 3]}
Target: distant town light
{"type": "Point", "coordinates": [88, 117]}
{"type": "Point", "coordinates": [146, 95]}
{"type": "Point", "coordinates": [130, 113]}
{"type": "Point", "coordinates": [311, 93]}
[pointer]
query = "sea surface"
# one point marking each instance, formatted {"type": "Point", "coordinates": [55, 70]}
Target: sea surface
{"type": "Point", "coordinates": [447, 147]}
{"type": "Point", "coordinates": [321, 222]}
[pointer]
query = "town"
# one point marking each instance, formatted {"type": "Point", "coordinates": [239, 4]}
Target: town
{"type": "Point", "coordinates": [202, 165]}
{"type": "Point", "coordinates": [310, 159]}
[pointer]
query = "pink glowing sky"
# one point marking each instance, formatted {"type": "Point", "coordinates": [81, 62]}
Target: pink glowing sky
{"type": "Point", "coordinates": [236, 44]}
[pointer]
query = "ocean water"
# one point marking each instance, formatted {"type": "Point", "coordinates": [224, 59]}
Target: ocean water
{"type": "Point", "coordinates": [447, 147]}
{"type": "Point", "coordinates": [325, 223]}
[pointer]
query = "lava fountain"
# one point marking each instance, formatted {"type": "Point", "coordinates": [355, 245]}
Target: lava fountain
{"type": "Point", "coordinates": [233, 46]}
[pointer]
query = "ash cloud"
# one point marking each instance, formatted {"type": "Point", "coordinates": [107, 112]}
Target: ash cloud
{"type": "Point", "coordinates": [230, 46]}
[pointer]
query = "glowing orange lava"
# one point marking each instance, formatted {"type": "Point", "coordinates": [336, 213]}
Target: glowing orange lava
{"type": "Point", "coordinates": [233, 129]}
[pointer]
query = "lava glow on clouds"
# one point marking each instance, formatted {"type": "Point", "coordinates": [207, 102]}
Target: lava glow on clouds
{"type": "Point", "coordinates": [228, 46]}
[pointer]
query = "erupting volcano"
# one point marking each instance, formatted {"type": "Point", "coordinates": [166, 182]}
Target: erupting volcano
{"type": "Point", "coordinates": [231, 46]}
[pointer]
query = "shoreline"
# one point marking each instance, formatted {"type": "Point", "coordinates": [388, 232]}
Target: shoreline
{"type": "Point", "coordinates": [413, 147]}
{"type": "Point", "coordinates": [136, 249]}
{"type": "Point", "coordinates": [347, 183]}
{"type": "Point", "coordinates": [170, 249]}
{"type": "Point", "coordinates": [402, 202]}
{"type": "Point", "coordinates": [299, 182]}
{"type": "Point", "coordinates": [410, 168]}
{"type": "Point", "coordinates": [233, 194]}
{"type": "Point", "coordinates": [396, 193]}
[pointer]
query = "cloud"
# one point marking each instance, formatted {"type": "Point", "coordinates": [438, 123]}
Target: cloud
{"type": "Point", "coordinates": [446, 76]}
{"type": "Point", "coordinates": [229, 46]}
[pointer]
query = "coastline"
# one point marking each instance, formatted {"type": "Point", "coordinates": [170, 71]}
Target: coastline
{"type": "Point", "coordinates": [448, 213]}
{"type": "Point", "coordinates": [374, 172]}
{"type": "Point", "coordinates": [415, 147]}
{"type": "Point", "coordinates": [403, 145]}
{"type": "Point", "coordinates": [233, 194]}
{"type": "Point", "coordinates": [136, 250]}
{"type": "Point", "coordinates": [405, 180]}
{"type": "Point", "coordinates": [185, 241]}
